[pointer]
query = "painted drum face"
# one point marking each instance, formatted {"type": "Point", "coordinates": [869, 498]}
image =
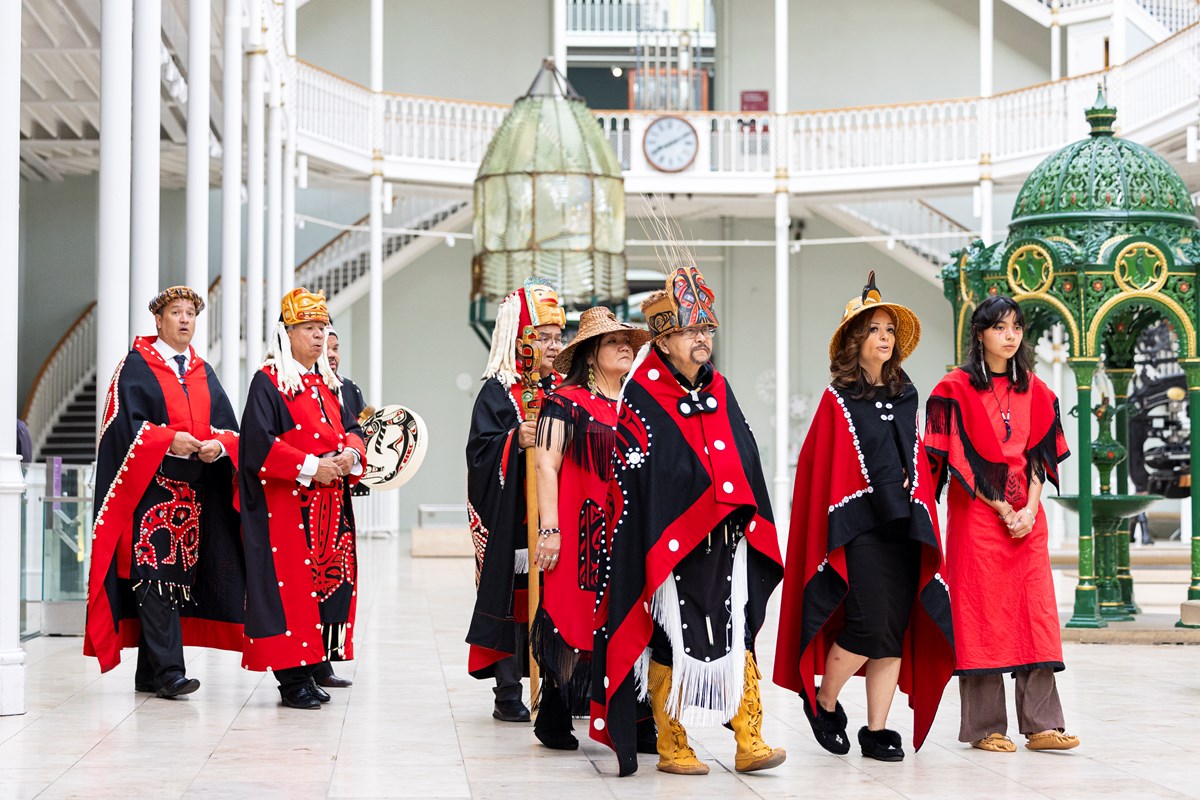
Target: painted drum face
{"type": "Point", "coordinates": [396, 439]}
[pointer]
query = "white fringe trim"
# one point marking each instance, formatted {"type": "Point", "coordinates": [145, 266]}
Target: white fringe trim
{"type": "Point", "coordinates": [705, 693]}
{"type": "Point", "coordinates": [279, 356]}
{"type": "Point", "coordinates": [502, 359]}
{"type": "Point", "coordinates": [641, 673]}
{"type": "Point", "coordinates": [521, 561]}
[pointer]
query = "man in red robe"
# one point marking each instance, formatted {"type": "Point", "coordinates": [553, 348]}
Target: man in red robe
{"type": "Point", "coordinates": [496, 492]}
{"type": "Point", "coordinates": [167, 567]}
{"type": "Point", "coordinates": [301, 450]}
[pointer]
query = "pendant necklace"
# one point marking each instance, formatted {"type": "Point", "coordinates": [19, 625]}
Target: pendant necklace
{"type": "Point", "coordinates": [1005, 413]}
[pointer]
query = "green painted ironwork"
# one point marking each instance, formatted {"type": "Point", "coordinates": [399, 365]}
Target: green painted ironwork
{"type": "Point", "coordinates": [1104, 240]}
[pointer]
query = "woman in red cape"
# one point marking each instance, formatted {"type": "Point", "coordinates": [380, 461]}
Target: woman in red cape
{"type": "Point", "coordinates": [863, 591]}
{"type": "Point", "coordinates": [576, 438]}
{"type": "Point", "coordinates": [994, 427]}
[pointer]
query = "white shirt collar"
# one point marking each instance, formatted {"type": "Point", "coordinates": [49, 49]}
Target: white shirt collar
{"type": "Point", "coordinates": [168, 353]}
{"type": "Point", "coordinates": [303, 370]}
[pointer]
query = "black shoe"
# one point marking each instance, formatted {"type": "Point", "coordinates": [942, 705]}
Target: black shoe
{"type": "Point", "coordinates": [647, 737]}
{"type": "Point", "coordinates": [881, 745]}
{"type": "Point", "coordinates": [317, 691]}
{"type": "Point", "coordinates": [557, 740]}
{"type": "Point", "coordinates": [510, 711]}
{"type": "Point", "coordinates": [179, 685]}
{"type": "Point", "coordinates": [149, 688]}
{"type": "Point", "coordinates": [300, 697]}
{"type": "Point", "coordinates": [828, 726]}
{"type": "Point", "coordinates": [334, 682]}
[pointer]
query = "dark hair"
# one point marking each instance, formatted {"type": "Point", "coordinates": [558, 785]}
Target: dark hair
{"type": "Point", "coordinates": [846, 373]}
{"type": "Point", "coordinates": [577, 373]}
{"type": "Point", "coordinates": [991, 311]}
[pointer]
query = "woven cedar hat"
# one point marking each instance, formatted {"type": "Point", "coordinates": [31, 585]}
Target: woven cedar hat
{"type": "Point", "coordinates": [595, 322]}
{"type": "Point", "coordinates": [908, 326]}
{"type": "Point", "coordinates": [173, 293]}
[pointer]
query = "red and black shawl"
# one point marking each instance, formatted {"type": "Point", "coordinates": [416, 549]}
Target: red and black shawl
{"type": "Point", "coordinates": [145, 407]}
{"type": "Point", "coordinates": [496, 513]}
{"type": "Point", "coordinates": [679, 476]}
{"type": "Point", "coordinates": [301, 561]}
{"type": "Point", "coordinates": [831, 504]}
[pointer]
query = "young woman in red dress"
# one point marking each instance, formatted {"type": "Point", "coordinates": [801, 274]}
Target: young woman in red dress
{"type": "Point", "coordinates": [993, 427]}
{"type": "Point", "coordinates": [575, 441]}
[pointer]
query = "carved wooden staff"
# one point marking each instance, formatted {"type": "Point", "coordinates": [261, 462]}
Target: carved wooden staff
{"type": "Point", "coordinates": [531, 357]}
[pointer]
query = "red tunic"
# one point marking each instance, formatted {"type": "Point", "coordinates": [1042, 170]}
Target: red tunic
{"type": "Point", "coordinates": [1001, 588]}
{"type": "Point", "coordinates": [300, 555]}
{"type": "Point", "coordinates": [569, 596]}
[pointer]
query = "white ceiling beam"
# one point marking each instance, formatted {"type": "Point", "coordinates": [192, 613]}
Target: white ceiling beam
{"type": "Point", "coordinates": [33, 14]}
{"type": "Point", "coordinates": [84, 36]}
{"type": "Point", "coordinates": [41, 165]}
{"type": "Point", "coordinates": [67, 90]}
{"type": "Point", "coordinates": [83, 75]}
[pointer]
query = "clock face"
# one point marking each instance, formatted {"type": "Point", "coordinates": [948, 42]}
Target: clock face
{"type": "Point", "coordinates": [670, 144]}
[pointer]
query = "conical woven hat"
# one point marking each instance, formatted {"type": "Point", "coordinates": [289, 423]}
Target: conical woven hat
{"type": "Point", "coordinates": [908, 326]}
{"type": "Point", "coordinates": [595, 322]}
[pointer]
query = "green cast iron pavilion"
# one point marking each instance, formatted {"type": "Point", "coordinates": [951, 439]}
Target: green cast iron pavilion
{"type": "Point", "coordinates": [1104, 239]}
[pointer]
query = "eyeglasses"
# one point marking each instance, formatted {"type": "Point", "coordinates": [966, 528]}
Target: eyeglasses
{"type": "Point", "coordinates": [546, 341]}
{"type": "Point", "coordinates": [695, 333]}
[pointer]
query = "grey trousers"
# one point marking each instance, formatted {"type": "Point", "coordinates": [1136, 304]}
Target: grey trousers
{"type": "Point", "coordinates": [984, 710]}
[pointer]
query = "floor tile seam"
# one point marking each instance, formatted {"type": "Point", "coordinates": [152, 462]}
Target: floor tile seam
{"type": "Point", "coordinates": [232, 720]}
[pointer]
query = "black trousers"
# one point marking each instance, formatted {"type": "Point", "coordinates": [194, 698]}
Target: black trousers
{"type": "Point", "coordinates": [323, 670]}
{"type": "Point", "coordinates": [294, 677]}
{"type": "Point", "coordinates": [509, 671]}
{"type": "Point", "coordinates": [160, 647]}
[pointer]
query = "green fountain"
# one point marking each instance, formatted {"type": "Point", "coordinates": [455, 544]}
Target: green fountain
{"type": "Point", "coordinates": [1114, 583]}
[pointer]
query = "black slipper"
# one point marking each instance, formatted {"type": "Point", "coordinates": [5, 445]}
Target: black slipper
{"type": "Point", "coordinates": [881, 745]}
{"type": "Point", "coordinates": [829, 727]}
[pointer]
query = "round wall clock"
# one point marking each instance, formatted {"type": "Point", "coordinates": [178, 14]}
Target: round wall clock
{"type": "Point", "coordinates": [670, 144]}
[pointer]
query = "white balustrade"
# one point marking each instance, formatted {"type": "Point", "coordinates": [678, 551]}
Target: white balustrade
{"type": "Point", "coordinates": [213, 309]}
{"type": "Point", "coordinates": [1015, 127]}
{"type": "Point", "coordinates": [630, 16]}
{"type": "Point", "coordinates": [885, 137]}
{"type": "Point", "coordinates": [333, 109]}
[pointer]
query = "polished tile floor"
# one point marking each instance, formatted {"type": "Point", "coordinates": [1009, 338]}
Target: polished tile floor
{"type": "Point", "coordinates": [416, 725]}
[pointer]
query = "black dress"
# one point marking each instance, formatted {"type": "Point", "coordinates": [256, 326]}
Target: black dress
{"type": "Point", "coordinates": [882, 562]}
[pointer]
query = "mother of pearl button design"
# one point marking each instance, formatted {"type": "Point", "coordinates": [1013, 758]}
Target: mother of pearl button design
{"type": "Point", "coordinates": [652, 374]}
{"type": "Point", "coordinates": [673, 545]}
{"type": "Point", "coordinates": [728, 487]}
{"type": "Point", "coordinates": [720, 445]}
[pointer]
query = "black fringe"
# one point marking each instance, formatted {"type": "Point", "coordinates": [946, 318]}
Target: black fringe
{"type": "Point", "coordinates": [562, 667]}
{"type": "Point", "coordinates": [569, 430]}
{"type": "Point", "coordinates": [943, 416]}
{"type": "Point", "coordinates": [1043, 459]}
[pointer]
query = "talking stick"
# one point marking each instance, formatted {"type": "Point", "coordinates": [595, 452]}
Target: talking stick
{"type": "Point", "coordinates": [530, 358]}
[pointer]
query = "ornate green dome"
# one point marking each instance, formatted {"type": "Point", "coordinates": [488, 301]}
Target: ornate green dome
{"type": "Point", "coordinates": [1103, 177]}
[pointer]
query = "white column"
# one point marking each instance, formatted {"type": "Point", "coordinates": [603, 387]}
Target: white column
{"type": "Point", "coordinates": [274, 193]}
{"type": "Point", "coordinates": [144, 202]}
{"type": "Point", "coordinates": [199, 81]}
{"type": "Point", "coordinates": [986, 45]}
{"type": "Point", "coordinates": [782, 494]}
{"type": "Point", "coordinates": [290, 96]}
{"type": "Point", "coordinates": [12, 657]}
{"type": "Point", "coordinates": [116, 120]}
{"type": "Point", "coordinates": [1055, 48]}
{"type": "Point", "coordinates": [254, 191]}
{"type": "Point", "coordinates": [231, 206]}
{"type": "Point", "coordinates": [558, 34]}
{"type": "Point", "coordinates": [986, 188]}
{"type": "Point", "coordinates": [375, 302]}
{"type": "Point", "coordinates": [1117, 41]}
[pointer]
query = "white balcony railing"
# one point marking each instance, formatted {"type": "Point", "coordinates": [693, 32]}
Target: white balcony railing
{"type": "Point", "coordinates": [901, 145]}
{"type": "Point", "coordinates": [628, 16]}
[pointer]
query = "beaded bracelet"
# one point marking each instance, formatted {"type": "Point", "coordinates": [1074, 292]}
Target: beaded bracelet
{"type": "Point", "coordinates": [544, 532]}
